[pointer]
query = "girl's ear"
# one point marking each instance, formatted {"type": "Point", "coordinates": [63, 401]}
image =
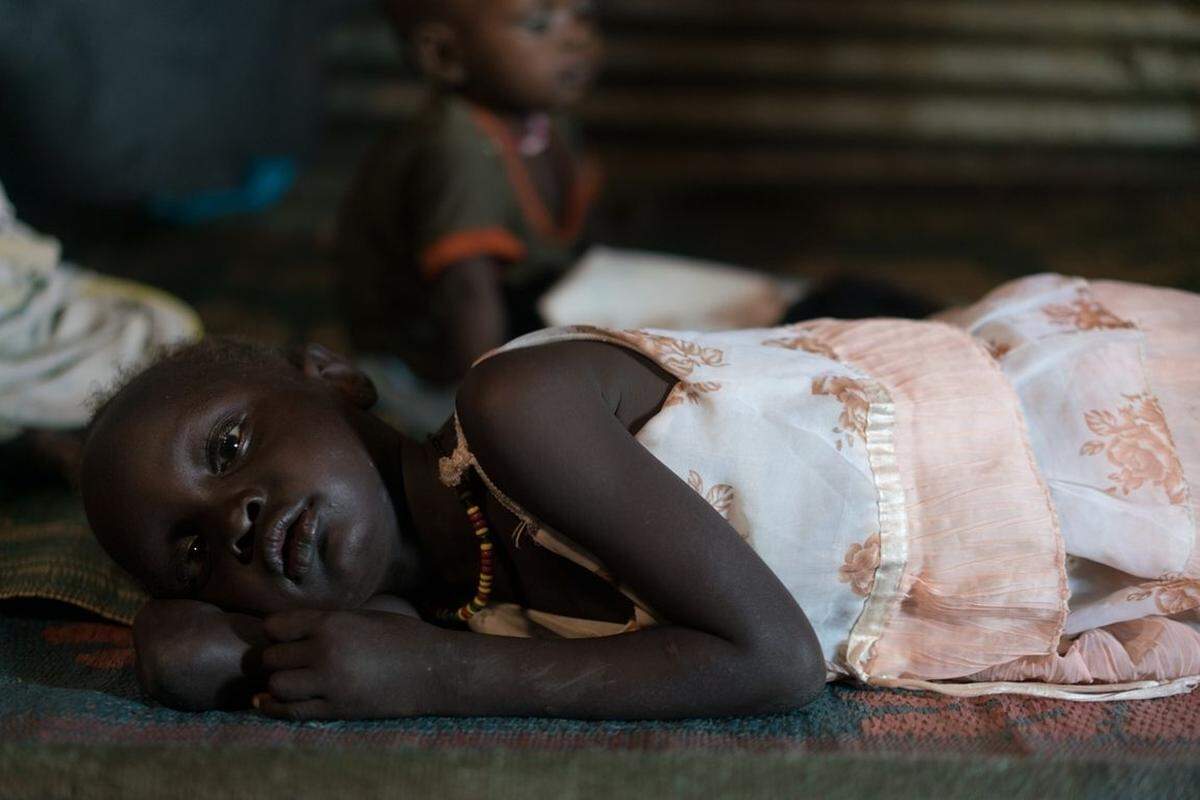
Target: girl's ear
{"type": "Point", "coordinates": [317, 361]}
{"type": "Point", "coordinates": [438, 52]}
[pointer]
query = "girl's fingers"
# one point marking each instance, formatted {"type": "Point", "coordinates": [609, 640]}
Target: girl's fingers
{"type": "Point", "coordinates": [288, 626]}
{"type": "Point", "coordinates": [288, 655]}
{"type": "Point", "coordinates": [297, 711]}
{"type": "Point", "coordinates": [293, 685]}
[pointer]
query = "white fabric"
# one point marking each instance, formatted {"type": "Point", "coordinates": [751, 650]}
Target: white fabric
{"type": "Point", "coordinates": [615, 288]}
{"type": "Point", "coordinates": [66, 334]}
{"type": "Point", "coordinates": [1101, 441]}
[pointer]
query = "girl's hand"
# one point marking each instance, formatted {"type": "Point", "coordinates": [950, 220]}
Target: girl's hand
{"type": "Point", "coordinates": [194, 656]}
{"type": "Point", "coordinates": [349, 665]}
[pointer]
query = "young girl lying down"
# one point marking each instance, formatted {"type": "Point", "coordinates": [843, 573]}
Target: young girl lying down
{"type": "Point", "coordinates": [659, 524]}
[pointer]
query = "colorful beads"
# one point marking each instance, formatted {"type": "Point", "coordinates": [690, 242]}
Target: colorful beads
{"type": "Point", "coordinates": [483, 588]}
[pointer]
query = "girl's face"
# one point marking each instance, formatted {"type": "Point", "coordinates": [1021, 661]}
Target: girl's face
{"type": "Point", "coordinates": [530, 55]}
{"type": "Point", "coordinates": [256, 490]}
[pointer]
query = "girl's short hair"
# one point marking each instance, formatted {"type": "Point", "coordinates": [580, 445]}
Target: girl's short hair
{"type": "Point", "coordinates": [206, 356]}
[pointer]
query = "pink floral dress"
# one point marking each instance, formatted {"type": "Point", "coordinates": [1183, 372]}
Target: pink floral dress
{"type": "Point", "coordinates": [995, 502]}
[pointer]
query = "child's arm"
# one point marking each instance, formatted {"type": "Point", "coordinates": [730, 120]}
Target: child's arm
{"type": "Point", "coordinates": [550, 425]}
{"type": "Point", "coordinates": [195, 657]}
{"type": "Point", "coordinates": [469, 306]}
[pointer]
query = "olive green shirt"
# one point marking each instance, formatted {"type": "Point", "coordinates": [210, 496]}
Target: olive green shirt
{"type": "Point", "coordinates": [451, 187]}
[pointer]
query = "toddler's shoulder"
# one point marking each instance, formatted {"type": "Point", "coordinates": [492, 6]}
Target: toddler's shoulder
{"type": "Point", "coordinates": [448, 131]}
{"type": "Point", "coordinates": [440, 137]}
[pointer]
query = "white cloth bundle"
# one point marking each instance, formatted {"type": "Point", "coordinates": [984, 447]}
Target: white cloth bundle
{"type": "Point", "coordinates": [66, 334]}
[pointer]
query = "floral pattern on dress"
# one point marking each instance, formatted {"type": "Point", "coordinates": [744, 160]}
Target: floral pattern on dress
{"type": "Point", "coordinates": [720, 496]}
{"type": "Point", "coordinates": [862, 560]}
{"type": "Point", "coordinates": [678, 356]}
{"type": "Point", "coordinates": [1136, 441]}
{"type": "Point", "coordinates": [808, 343]}
{"type": "Point", "coordinates": [998, 350]}
{"type": "Point", "coordinates": [853, 397]}
{"type": "Point", "coordinates": [690, 392]}
{"type": "Point", "coordinates": [1173, 593]}
{"type": "Point", "coordinates": [1085, 314]}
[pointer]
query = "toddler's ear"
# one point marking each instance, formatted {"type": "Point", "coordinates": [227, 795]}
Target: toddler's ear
{"type": "Point", "coordinates": [317, 361]}
{"type": "Point", "coordinates": [438, 52]}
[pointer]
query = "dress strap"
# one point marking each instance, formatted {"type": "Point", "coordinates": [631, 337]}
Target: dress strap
{"type": "Point", "coordinates": [452, 467]}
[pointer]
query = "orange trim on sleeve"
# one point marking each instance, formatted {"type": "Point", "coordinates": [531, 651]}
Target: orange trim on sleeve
{"type": "Point", "coordinates": [452, 248]}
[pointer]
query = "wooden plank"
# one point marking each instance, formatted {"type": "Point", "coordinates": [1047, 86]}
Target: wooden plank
{"type": "Point", "coordinates": [659, 169]}
{"type": "Point", "coordinates": [788, 114]}
{"type": "Point", "coordinates": [1092, 69]}
{"type": "Point", "coordinates": [1082, 69]}
{"type": "Point", "coordinates": [1075, 19]}
{"type": "Point", "coordinates": [661, 173]}
{"type": "Point", "coordinates": [1064, 20]}
{"type": "Point", "coordinates": [919, 118]}
{"type": "Point", "coordinates": [664, 172]}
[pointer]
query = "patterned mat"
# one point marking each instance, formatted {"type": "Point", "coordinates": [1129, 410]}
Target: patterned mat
{"type": "Point", "coordinates": [68, 685]}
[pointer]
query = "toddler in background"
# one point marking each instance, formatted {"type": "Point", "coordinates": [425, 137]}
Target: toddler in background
{"type": "Point", "coordinates": [454, 227]}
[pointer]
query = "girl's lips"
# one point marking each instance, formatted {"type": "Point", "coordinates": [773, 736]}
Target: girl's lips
{"type": "Point", "coordinates": [273, 538]}
{"type": "Point", "coordinates": [300, 545]}
{"type": "Point", "coordinates": [288, 543]}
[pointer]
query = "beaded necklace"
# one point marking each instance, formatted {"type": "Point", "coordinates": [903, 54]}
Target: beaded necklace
{"type": "Point", "coordinates": [483, 588]}
{"type": "Point", "coordinates": [483, 535]}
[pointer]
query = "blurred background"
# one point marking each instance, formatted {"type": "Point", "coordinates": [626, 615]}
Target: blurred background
{"type": "Point", "coordinates": [942, 146]}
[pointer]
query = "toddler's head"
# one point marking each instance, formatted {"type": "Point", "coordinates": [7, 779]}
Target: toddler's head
{"type": "Point", "coordinates": [513, 55]}
{"type": "Point", "coordinates": [229, 473]}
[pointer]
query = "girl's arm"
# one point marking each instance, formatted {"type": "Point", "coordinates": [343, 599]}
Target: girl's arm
{"type": "Point", "coordinates": [551, 427]}
{"type": "Point", "coordinates": [195, 657]}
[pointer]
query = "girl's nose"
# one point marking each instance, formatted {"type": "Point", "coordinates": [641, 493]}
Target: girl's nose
{"type": "Point", "coordinates": [243, 512]}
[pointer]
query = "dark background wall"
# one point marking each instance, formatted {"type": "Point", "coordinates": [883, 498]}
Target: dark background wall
{"type": "Point", "coordinates": [943, 145]}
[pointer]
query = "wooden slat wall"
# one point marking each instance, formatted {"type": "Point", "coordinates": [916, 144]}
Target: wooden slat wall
{"type": "Point", "coordinates": [793, 92]}
{"type": "Point", "coordinates": [1100, 19]}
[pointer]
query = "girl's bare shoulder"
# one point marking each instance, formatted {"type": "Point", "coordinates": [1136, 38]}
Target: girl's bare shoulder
{"type": "Point", "coordinates": [515, 394]}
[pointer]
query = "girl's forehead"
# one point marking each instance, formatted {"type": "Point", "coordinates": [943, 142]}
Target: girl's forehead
{"type": "Point", "coordinates": [156, 434]}
{"type": "Point", "coordinates": [146, 437]}
{"type": "Point", "coordinates": [174, 391]}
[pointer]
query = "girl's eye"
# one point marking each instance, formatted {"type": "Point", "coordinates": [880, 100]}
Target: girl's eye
{"type": "Point", "coordinates": [225, 446]}
{"type": "Point", "coordinates": [192, 564]}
